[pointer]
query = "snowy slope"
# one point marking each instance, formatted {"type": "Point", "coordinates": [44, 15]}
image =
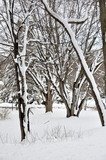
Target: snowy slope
{"type": "Point", "coordinates": [54, 137]}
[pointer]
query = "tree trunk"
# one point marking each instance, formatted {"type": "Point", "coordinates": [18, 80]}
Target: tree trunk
{"type": "Point", "coordinates": [75, 94]}
{"type": "Point", "coordinates": [81, 106]}
{"type": "Point", "coordinates": [69, 111]}
{"type": "Point", "coordinates": [48, 98]}
{"type": "Point", "coordinates": [20, 101]}
{"type": "Point", "coordinates": [28, 125]}
{"type": "Point", "coordinates": [102, 4]}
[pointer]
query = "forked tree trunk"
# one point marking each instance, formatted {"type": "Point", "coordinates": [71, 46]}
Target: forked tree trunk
{"type": "Point", "coordinates": [76, 89]}
{"type": "Point", "coordinates": [70, 112]}
{"type": "Point", "coordinates": [20, 67]}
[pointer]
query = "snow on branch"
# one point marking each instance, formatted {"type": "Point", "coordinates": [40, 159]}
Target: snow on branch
{"type": "Point", "coordinates": [6, 44]}
{"type": "Point", "coordinates": [78, 21]}
{"type": "Point", "coordinates": [97, 62]}
{"type": "Point", "coordinates": [38, 41]}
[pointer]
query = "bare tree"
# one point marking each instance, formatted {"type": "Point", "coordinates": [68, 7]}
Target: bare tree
{"type": "Point", "coordinates": [87, 37]}
{"type": "Point", "coordinates": [16, 26]}
{"type": "Point", "coordinates": [88, 74]}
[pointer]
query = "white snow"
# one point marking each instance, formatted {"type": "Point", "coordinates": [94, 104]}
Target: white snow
{"type": "Point", "coordinates": [1, 83]}
{"type": "Point", "coordinates": [7, 105]}
{"type": "Point", "coordinates": [54, 137]}
{"type": "Point", "coordinates": [81, 20]}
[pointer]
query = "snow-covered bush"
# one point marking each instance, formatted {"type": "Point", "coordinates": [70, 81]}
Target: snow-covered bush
{"type": "Point", "coordinates": [61, 133]}
{"type": "Point", "coordinates": [4, 113]}
{"type": "Point", "coordinates": [56, 133]}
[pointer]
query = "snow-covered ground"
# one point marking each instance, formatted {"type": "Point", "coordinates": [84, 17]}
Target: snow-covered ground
{"type": "Point", "coordinates": [54, 137]}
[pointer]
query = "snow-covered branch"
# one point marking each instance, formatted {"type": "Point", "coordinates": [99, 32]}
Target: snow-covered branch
{"type": "Point", "coordinates": [78, 21]}
{"type": "Point", "coordinates": [6, 44]}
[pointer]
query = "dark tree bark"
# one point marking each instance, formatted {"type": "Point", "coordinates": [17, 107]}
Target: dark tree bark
{"type": "Point", "coordinates": [14, 38]}
{"type": "Point", "coordinates": [102, 5]}
{"type": "Point", "coordinates": [20, 100]}
{"type": "Point", "coordinates": [75, 91]}
{"type": "Point", "coordinates": [81, 106]}
{"type": "Point", "coordinates": [70, 112]}
{"type": "Point", "coordinates": [48, 97]}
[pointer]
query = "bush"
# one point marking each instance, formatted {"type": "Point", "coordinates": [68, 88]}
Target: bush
{"type": "Point", "coordinates": [57, 133]}
{"type": "Point", "coordinates": [4, 113]}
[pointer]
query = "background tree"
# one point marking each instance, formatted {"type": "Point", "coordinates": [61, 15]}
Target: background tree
{"type": "Point", "coordinates": [89, 76]}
